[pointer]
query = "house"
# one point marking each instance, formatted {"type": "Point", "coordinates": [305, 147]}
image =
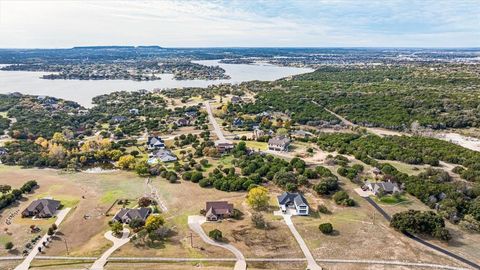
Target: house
{"type": "Point", "coordinates": [133, 111]}
{"type": "Point", "coordinates": [125, 215]}
{"type": "Point", "coordinates": [279, 143]}
{"type": "Point", "coordinates": [237, 122]}
{"type": "Point", "coordinates": [295, 201]}
{"type": "Point", "coordinates": [182, 122]}
{"type": "Point", "coordinates": [163, 155]}
{"type": "Point", "coordinates": [257, 133]}
{"type": "Point", "coordinates": [118, 119]}
{"type": "Point", "coordinates": [191, 114]}
{"type": "Point", "coordinates": [236, 100]}
{"type": "Point", "coordinates": [387, 187]}
{"type": "Point", "coordinates": [3, 151]}
{"type": "Point", "coordinates": [155, 142]}
{"type": "Point", "coordinates": [218, 210]}
{"type": "Point", "coordinates": [223, 146]}
{"type": "Point", "coordinates": [42, 208]}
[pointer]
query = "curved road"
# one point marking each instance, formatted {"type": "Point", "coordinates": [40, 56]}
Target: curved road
{"type": "Point", "coordinates": [195, 222]}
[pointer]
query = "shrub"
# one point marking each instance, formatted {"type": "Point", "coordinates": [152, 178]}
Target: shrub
{"type": "Point", "coordinates": [323, 209]}
{"type": "Point", "coordinates": [326, 228]}
{"type": "Point", "coordinates": [258, 221]}
{"type": "Point", "coordinates": [342, 198]}
{"type": "Point", "coordinates": [215, 234]}
{"type": "Point", "coordinates": [8, 245]}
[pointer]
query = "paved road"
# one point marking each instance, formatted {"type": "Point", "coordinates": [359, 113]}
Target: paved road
{"type": "Point", "coordinates": [215, 125]}
{"type": "Point", "coordinates": [286, 260]}
{"type": "Point", "coordinates": [61, 214]}
{"type": "Point", "coordinates": [195, 222]}
{"type": "Point", "coordinates": [421, 241]}
{"type": "Point", "coordinates": [117, 243]}
{"type": "Point", "coordinates": [311, 262]}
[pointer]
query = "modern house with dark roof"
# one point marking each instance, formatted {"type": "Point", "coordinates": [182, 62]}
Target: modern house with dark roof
{"type": "Point", "coordinates": [293, 201]}
{"type": "Point", "coordinates": [125, 215]}
{"type": "Point", "coordinates": [218, 210]}
{"type": "Point", "coordinates": [279, 143]}
{"type": "Point", "coordinates": [155, 142]}
{"type": "Point", "coordinates": [42, 208]}
{"type": "Point", "coordinates": [386, 187]}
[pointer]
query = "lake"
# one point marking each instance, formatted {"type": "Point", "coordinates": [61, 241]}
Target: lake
{"type": "Point", "coordinates": [82, 91]}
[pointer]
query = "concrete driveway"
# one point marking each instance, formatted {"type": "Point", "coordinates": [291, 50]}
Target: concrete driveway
{"type": "Point", "coordinates": [311, 263]}
{"type": "Point", "coordinates": [195, 222]}
{"type": "Point", "coordinates": [117, 243]}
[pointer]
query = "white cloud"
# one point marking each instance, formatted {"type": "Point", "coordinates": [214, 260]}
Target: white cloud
{"type": "Point", "coordinates": [239, 23]}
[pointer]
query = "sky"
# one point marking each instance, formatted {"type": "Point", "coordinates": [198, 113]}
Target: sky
{"type": "Point", "coordinates": [243, 23]}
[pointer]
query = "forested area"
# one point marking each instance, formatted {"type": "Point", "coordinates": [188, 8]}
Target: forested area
{"type": "Point", "coordinates": [436, 96]}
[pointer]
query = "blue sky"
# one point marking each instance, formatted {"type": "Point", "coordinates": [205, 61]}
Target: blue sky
{"type": "Point", "coordinates": [315, 23]}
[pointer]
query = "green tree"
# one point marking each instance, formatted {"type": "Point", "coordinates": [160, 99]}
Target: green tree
{"type": "Point", "coordinates": [258, 198]}
{"type": "Point", "coordinates": [215, 234]}
{"type": "Point", "coordinates": [326, 228]}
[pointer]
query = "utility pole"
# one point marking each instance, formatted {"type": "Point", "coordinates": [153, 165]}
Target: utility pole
{"type": "Point", "coordinates": [191, 239]}
{"type": "Point", "coordinates": [66, 245]}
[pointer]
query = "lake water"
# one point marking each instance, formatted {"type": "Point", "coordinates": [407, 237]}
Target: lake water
{"type": "Point", "coordinates": [82, 91]}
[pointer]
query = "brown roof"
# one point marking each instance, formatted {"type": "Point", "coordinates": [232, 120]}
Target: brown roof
{"type": "Point", "coordinates": [219, 207]}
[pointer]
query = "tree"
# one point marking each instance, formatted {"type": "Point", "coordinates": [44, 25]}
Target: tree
{"type": "Point", "coordinates": [144, 202]}
{"type": "Point", "coordinates": [116, 227]}
{"type": "Point", "coordinates": [5, 188]}
{"type": "Point", "coordinates": [136, 223]}
{"type": "Point", "coordinates": [50, 231]}
{"type": "Point", "coordinates": [326, 228]}
{"type": "Point", "coordinates": [342, 198]}
{"type": "Point", "coordinates": [215, 234]}
{"type": "Point", "coordinates": [126, 162]}
{"type": "Point", "coordinates": [159, 234]}
{"type": "Point", "coordinates": [259, 221]}
{"type": "Point", "coordinates": [326, 186]}
{"type": "Point", "coordinates": [258, 198]}
{"type": "Point", "coordinates": [142, 168]}
{"type": "Point", "coordinates": [8, 246]}
{"type": "Point", "coordinates": [154, 222]}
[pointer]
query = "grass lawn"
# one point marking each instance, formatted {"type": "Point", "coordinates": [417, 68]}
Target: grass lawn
{"type": "Point", "coordinates": [257, 145]}
{"type": "Point", "coordinates": [390, 199]}
{"type": "Point", "coordinates": [3, 114]}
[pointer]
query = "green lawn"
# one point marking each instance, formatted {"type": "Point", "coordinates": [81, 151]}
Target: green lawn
{"type": "Point", "coordinates": [257, 145]}
{"type": "Point", "coordinates": [389, 199]}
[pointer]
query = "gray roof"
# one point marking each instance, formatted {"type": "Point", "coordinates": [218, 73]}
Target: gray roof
{"type": "Point", "coordinates": [279, 141]}
{"type": "Point", "coordinates": [387, 186]}
{"type": "Point", "coordinates": [155, 141]}
{"type": "Point", "coordinates": [290, 197]}
{"type": "Point", "coordinates": [165, 155]}
{"type": "Point", "coordinates": [43, 207]}
{"type": "Point", "coordinates": [130, 214]}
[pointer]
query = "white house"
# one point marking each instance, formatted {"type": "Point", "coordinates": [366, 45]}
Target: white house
{"type": "Point", "coordinates": [295, 201]}
{"type": "Point", "coordinates": [387, 187]}
{"type": "Point", "coordinates": [155, 142]}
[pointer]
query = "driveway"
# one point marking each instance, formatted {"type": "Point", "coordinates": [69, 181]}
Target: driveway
{"type": "Point", "coordinates": [311, 263]}
{"type": "Point", "coordinates": [61, 214]}
{"type": "Point", "coordinates": [117, 243]}
{"type": "Point", "coordinates": [195, 222]}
